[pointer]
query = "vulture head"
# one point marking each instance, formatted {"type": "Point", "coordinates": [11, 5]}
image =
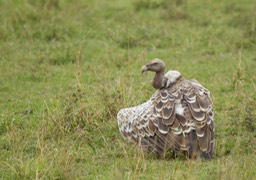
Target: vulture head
{"type": "Point", "coordinates": [157, 66]}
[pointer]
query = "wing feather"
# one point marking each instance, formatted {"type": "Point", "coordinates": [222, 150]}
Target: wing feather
{"type": "Point", "coordinates": [163, 128]}
{"type": "Point", "coordinates": [197, 116]}
{"type": "Point", "coordinates": [179, 117]}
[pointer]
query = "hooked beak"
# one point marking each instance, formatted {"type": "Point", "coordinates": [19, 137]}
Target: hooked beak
{"type": "Point", "coordinates": [145, 68]}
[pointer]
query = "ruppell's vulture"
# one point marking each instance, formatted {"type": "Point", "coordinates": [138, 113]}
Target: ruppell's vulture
{"type": "Point", "coordinates": [178, 117]}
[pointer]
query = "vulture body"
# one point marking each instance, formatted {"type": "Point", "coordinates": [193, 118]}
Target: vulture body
{"type": "Point", "coordinates": [178, 117]}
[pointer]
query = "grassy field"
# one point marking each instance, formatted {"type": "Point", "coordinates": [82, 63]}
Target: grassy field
{"type": "Point", "coordinates": [67, 67]}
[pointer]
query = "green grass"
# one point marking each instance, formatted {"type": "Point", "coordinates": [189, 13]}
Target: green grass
{"type": "Point", "coordinates": [67, 67]}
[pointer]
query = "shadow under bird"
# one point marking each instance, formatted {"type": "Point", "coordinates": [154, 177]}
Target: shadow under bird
{"type": "Point", "coordinates": [178, 117]}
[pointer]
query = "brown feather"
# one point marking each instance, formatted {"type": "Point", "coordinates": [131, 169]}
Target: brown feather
{"type": "Point", "coordinates": [162, 127]}
{"type": "Point", "coordinates": [167, 112]}
{"type": "Point", "coordinates": [181, 119]}
{"type": "Point", "coordinates": [195, 106]}
{"type": "Point", "coordinates": [203, 142]}
{"type": "Point", "coordinates": [200, 131]}
{"type": "Point", "coordinates": [199, 116]}
{"type": "Point", "coordinates": [203, 102]}
{"type": "Point", "coordinates": [177, 142]}
{"type": "Point", "coordinates": [164, 95]}
{"type": "Point", "coordinates": [175, 125]}
{"type": "Point", "coordinates": [151, 127]}
{"type": "Point", "coordinates": [169, 121]}
{"type": "Point", "coordinates": [159, 106]}
{"type": "Point", "coordinates": [149, 144]}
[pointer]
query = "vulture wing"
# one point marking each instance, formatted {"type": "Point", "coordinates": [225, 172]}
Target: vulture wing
{"type": "Point", "coordinates": [179, 117]}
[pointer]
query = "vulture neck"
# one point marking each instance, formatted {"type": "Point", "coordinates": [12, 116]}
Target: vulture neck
{"type": "Point", "coordinates": [158, 80]}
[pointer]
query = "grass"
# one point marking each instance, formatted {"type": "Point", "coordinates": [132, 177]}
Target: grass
{"type": "Point", "coordinates": [67, 67]}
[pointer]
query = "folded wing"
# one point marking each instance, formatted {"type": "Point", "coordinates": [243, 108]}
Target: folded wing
{"type": "Point", "coordinates": [179, 117]}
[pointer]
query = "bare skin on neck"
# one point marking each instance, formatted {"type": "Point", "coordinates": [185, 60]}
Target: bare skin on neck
{"type": "Point", "coordinates": [159, 80]}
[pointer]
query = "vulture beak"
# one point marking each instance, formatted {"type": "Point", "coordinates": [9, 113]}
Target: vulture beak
{"type": "Point", "coordinates": [145, 68]}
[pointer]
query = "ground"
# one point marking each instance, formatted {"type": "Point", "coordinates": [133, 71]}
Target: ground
{"type": "Point", "coordinates": [67, 67]}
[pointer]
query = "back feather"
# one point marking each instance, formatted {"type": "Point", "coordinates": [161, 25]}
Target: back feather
{"type": "Point", "coordinates": [178, 117]}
